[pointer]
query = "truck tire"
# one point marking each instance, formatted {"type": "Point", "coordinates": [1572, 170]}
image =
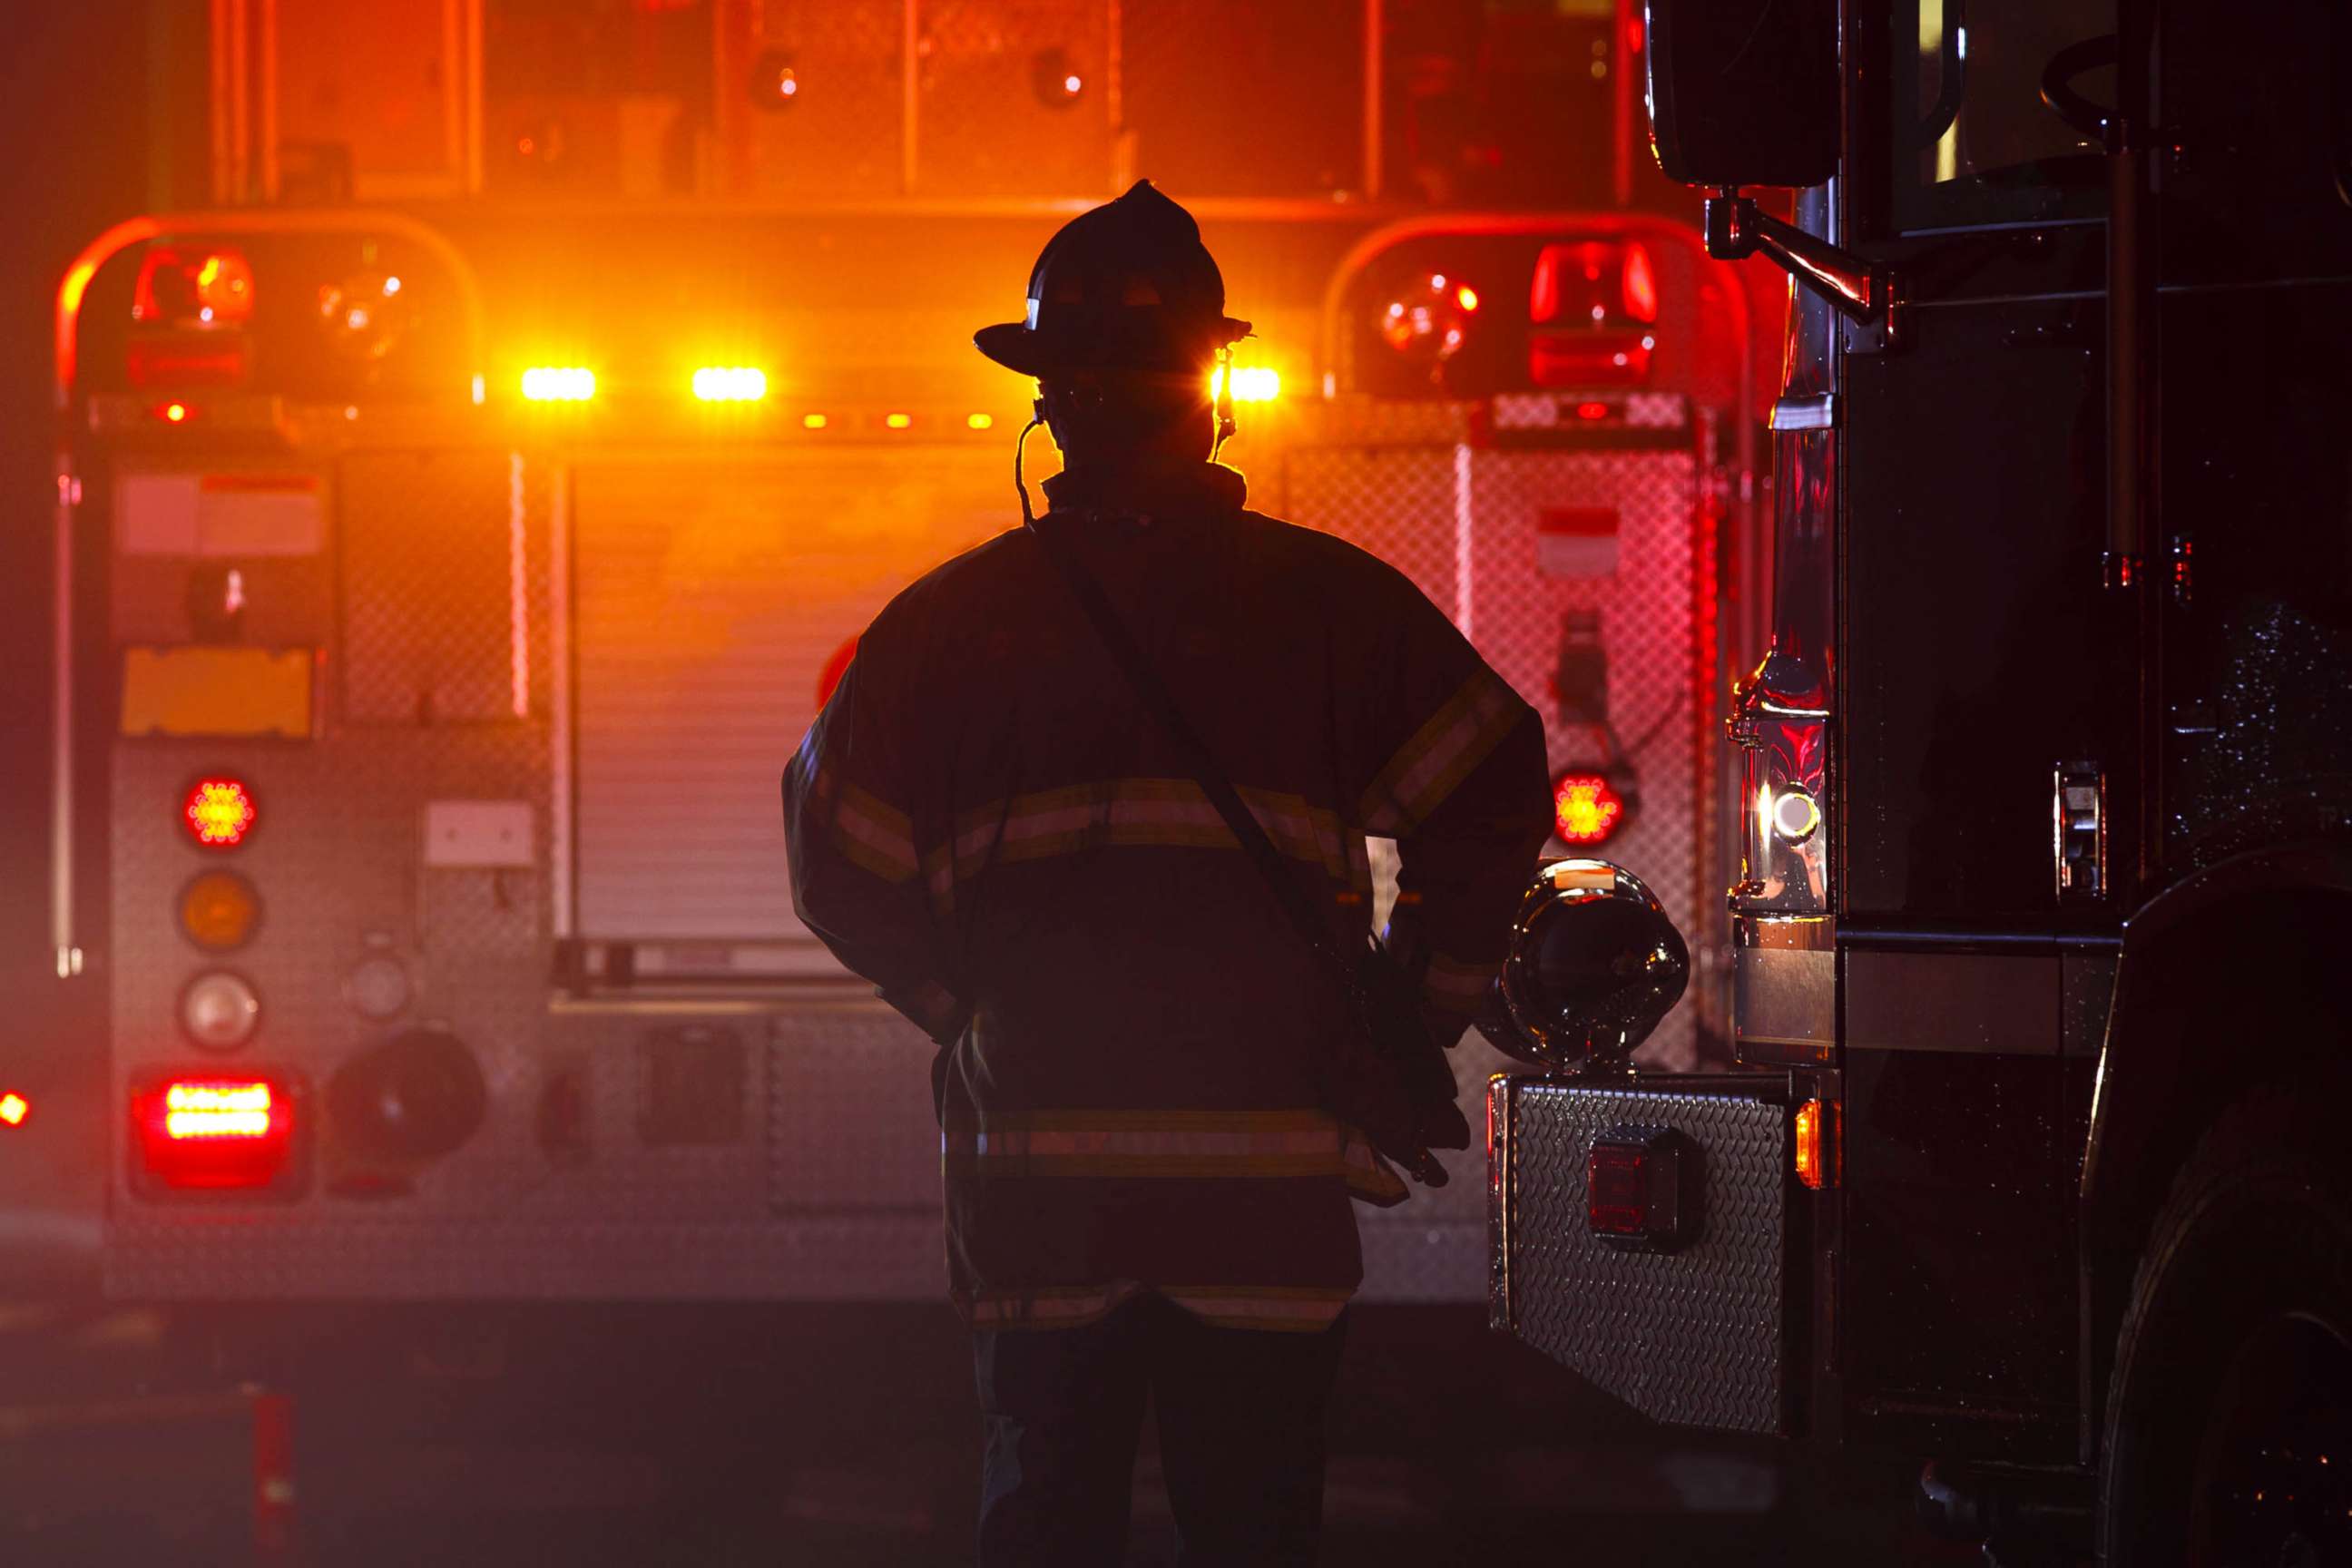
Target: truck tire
{"type": "Point", "coordinates": [2229, 1421]}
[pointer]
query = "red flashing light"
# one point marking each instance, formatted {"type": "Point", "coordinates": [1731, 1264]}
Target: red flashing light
{"type": "Point", "coordinates": [1585, 808]}
{"type": "Point", "coordinates": [207, 1132]}
{"type": "Point", "coordinates": [219, 811]}
{"type": "Point", "coordinates": [209, 288]}
{"type": "Point", "coordinates": [172, 413]}
{"type": "Point", "coordinates": [14, 1109]}
{"type": "Point", "coordinates": [1640, 285]}
{"type": "Point", "coordinates": [1598, 301]}
{"type": "Point", "coordinates": [1634, 1188]}
{"type": "Point", "coordinates": [834, 669]}
{"type": "Point", "coordinates": [1592, 411]}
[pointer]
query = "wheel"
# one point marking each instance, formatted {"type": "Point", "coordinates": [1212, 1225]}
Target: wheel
{"type": "Point", "coordinates": [2229, 1423]}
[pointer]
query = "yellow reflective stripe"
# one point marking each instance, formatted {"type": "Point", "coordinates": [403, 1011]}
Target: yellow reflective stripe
{"type": "Point", "coordinates": [1304, 1309]}
{"type": "Point", "coordinates": [1441, 754]}
{"type": "Point", "coordinates": [1457, 986]}
{"type": "Point", "coordinates": [1144, 813]}
{"type": "Point", "coordinates": [1293, 1307]}
{"type": "Point", "coordinates": [1279, 1143]}
{"type": "Point", "coordinates": [875, 834]}
{"type": "Point", "coordinates": [1047, 1307]}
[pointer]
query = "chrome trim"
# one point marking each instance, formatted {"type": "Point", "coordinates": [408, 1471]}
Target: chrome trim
{"type": "Point", "coordinates": [1499, 1203]}
{"type": "Point", "coordinates": [67, 952]}
{"type": "Point", "coordinates": [1818, 412]}
{"type": "Point", "coordinates": [559, 698]}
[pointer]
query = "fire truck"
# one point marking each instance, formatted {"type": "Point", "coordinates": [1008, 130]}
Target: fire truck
{"type": "Point", "coordinates": [460, 520]}
{"type": "Point", "coordinates": [2028, 1165]}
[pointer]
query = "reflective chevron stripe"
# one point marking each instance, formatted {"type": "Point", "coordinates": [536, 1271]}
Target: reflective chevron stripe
{"type": "Point", "coordinates": [1441, 754]}
{"type": "Point", "coordinates": [875, 834]}
{"type": "Point", "coordinates": [1140, 812]}
{"type": "Point", "coordinates": [1213, 1144]}
{"type": "Point", "coordinates": [1297, 1309]}
{"type": "Point", "coordinates": [868, 830]}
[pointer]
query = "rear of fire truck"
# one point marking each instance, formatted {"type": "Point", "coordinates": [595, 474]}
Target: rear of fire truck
{"type": "Point", "coordinates": [2027, 1167]}
{"type": "Point", "coordinates": [459, 523]}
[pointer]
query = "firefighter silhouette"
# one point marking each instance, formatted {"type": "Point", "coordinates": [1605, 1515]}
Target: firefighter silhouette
{"type": "Point", "coordinates": [1147, 1186]}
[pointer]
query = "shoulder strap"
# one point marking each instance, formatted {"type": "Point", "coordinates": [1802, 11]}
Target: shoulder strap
{"type": "Point", "coordinates": [1153, 694]}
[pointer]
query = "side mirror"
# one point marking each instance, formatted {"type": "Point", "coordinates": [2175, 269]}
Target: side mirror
{"type": "Point", "coordinates": [1594, 967]}
{"type": "Point", "coordinates": [1743, 92]}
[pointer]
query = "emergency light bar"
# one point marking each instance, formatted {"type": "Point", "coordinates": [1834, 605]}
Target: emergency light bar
{"type": "Point", "coordinates": [731, 383]}
{"type": "Point", "coordinates": [559, 384]}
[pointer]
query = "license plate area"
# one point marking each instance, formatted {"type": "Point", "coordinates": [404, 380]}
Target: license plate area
{"type": "Point", "coordinates": [1696, 1333]}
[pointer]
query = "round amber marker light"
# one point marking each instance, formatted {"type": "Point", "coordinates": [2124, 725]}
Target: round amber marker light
{"type": "Point", "coordinates": [219, 811]}
{"type": "Point", "coordinates": [218, 911]}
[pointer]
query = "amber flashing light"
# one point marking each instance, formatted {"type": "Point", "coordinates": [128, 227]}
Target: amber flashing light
{"type": "Point", "coordinates": [218, 911]}
{"type": "Point", "coordinates": [559, 384]}
{"type": "Point", "coordinates": [1252, 383]}
{"type": "Point", "coordinates": [899, 421]}
{"type": "Point", "coordinates": [731, 383]}
{"type": "Point", "coordinates": [1817, 1144]}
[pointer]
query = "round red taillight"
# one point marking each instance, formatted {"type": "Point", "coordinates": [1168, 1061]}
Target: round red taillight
{"type": "Point", "coordinates": [219, 811]}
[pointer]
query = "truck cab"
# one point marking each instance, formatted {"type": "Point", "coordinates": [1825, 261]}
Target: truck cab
{"type": "Point", "coordinates": [2042, 807]}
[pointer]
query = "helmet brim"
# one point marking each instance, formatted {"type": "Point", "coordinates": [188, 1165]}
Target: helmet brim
{"type": "Point", "coordinates": [1018, 347]}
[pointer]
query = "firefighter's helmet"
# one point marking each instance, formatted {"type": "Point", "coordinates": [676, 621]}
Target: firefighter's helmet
{"type": "Point", "coordinates": [1126, 286]}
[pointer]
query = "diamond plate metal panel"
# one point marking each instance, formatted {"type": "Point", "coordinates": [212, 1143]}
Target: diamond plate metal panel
{"type": "Point", "coordinates": [1695, 1336]}
{"type": "Point", "coordinates": [431, 586]}
{"type": "Point", "coordinates": [850, 1123]}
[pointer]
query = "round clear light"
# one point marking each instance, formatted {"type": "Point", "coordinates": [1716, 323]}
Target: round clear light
{"type": "Point", "coordinates": [1795, 815]}
{"type": "Point", "coordinates": [219, 1010]}
{"type": "Point", "coordinates": [377, 987]}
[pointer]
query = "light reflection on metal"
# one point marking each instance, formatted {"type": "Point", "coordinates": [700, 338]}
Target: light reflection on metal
{"type": "Point", "coordinates": [1784, 859]}
{"type": "Point", "coordinates": [1795, 815]}
{"type": "Point", "coordinates": [1593, 966]}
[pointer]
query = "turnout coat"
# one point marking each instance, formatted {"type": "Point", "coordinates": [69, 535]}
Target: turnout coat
{"type": "Point", "coordinates": [985, 823]}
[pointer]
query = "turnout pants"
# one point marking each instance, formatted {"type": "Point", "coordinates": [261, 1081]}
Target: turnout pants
{"type": "Point", "coordinates": [1241, 1437]}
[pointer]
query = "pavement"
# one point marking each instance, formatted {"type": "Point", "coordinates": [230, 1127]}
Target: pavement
{"type": "Point", "coordinates": [834, 1435]}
